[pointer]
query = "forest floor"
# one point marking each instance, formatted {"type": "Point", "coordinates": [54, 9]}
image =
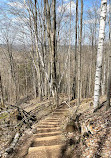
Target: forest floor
{"type": "Point", "coordinates": [58, 132]}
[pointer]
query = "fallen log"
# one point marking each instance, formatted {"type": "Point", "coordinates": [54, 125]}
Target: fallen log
{"type": "Point", "coordinates": [100, 106]}
{"type": "Point", "coordinates": [27, 117]}
{"type": "Point", "coordinates": [13, 144]}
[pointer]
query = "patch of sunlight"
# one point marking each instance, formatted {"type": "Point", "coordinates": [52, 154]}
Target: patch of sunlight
{"type": "Point", "coordinates": [3, 115]}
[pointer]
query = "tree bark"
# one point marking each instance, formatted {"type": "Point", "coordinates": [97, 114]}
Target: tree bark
{"type": "Point", "coordinates": [109, 85]}
{"type": "Point", "coordinates": [1, 92]}
{"type": "Point", "coordinates": [100, 53]}
{"type": "Point", "coordinates": [104, 76]}
{"type": "Point", "coordinates": [109, 77]}
{"type": "Point", "coordinates": [12, 68]}
{"type": "Point", "coordinates": [79, 55]}
{"type": "Point", "coordinates": [54, 53]}
{"type": "Point", "coordinates": [75, 57]}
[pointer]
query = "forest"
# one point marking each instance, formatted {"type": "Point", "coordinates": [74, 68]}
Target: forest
{"type": "Point", "coordinates": [55, 78]}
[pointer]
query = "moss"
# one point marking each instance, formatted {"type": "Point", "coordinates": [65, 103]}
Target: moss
{"type": "Point", "coordinates": [3, 115]}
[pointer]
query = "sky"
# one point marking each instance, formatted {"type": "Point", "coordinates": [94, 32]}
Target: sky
{"type": "Point", "coordinates": [88, 4]}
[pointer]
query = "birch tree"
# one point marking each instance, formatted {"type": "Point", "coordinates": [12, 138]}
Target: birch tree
{"type": "Point", "coordinates": [109, 66]}
{"type": "Point", "coordinates": [100, 53]}
{"type": "Point", "coordinates": [104, 75]}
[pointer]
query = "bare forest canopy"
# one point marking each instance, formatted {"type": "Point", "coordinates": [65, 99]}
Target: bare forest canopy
{"type": "Point", "coordinates": [55, 57]}
{"type": "Point", "coordinates": [49, 47]}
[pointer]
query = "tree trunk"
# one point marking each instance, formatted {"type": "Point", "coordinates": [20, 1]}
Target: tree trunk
{"type": "Point", "coordinates": [74, 86]}
{"type": "Point", "coordinates": [38, 58]}
{"type": "Point", "coordinates": [51, 42]}
{"type": "Point", "coordinates": [109, 85]}
{"type": "Point", "coordinates": [109, 70]}
{"type": "Point", "coordinates": [1, 93]}
{"type": "Point", "coordinates": [100, 53]}
{"type": "Point", "coordinates": [54, 53]}
{"type": "Point", "coordinates": [26, 80]}
{"type": "Point", "coordinates": [54, 50]}
{"type": "Point", "coordinates": [79, 55]}
{"type": "Point", "coordinates": [12, 69]}
{"type": "Point", "coordinates": [104, 76]}
{"type": "Point", "coordinates": [69, 58]}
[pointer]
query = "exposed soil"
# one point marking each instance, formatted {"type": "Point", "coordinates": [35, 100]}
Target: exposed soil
{"type": "Point", "coordinates": [60, 134]}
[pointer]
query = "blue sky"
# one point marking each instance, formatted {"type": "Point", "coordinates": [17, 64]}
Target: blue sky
{"type": "Point", "coordinates": [3, 1]}
{"type": "Point", "coordinates": [87, 5]}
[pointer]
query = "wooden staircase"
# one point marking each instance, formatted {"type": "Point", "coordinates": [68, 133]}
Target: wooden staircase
{"type": "Point", "coordinates": [48, 140]}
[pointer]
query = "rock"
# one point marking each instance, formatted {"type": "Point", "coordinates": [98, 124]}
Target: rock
{"type": "Point", "coordinates": [9, 150]}
{"type": "Point", "coordinates": [34, 131]}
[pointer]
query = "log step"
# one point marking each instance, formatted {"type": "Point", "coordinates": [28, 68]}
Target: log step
{"type": "Point", "coordinates": [45, 141]}
{"type": "Point", "coordinates": [61, 110]}
{"type": "Point", "coordinates": [58, 113]}
{"type": "Point", "coordinates": [52, 120]}
{"type": "Point", "coordinates": [47, 134]}
{"type": "Point", "coordinates": [44, 130]}
{"type": "Point", "coordinates": [47, 126]}
{"type": "Point", "coordinates": [44, 152]}
{"type": "Point", "coordinates": [49, 123]}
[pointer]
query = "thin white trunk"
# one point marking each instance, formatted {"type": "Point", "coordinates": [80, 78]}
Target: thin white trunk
{"type": "Point", "coordinates": [14, 142]}
{"type": "Point", "coordinates": [100, 52]}
{"type": "Point", "coordinates": [104, 76]}
{"type": "Point", "coordinates": [109, 63]}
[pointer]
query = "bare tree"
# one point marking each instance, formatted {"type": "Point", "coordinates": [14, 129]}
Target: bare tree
{"type": "Point", "coordinates": [109, 66]}
{"type": "Point", "coordinates": [79, 55]}
{"type": "Point", "coordinates": [75, 60]}
{"type": "Point", "coordinates": [1, 92]}
{"type": "Point", "coordinates": [100, 53]}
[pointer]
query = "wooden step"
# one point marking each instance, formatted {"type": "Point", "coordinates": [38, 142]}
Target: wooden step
{"type": "Point", "coordinates": [44, 152]}
{"type": "Point", "coordinates": [52, 120]}
{"type": "Point", "coordinates": [47, 126]}
{"type": "Point", "coordinates": [62, 110]}
{"type": "Point", "coordinates": [45, 141]}
{"type": "Point", "coordinates": [44, 130]}
{"type": "Point", "coordinates": [58, 113]}
{"type": "Point", "coordinates": [47, 134]}
{"type": "Point", "coordinates": [49, 123]}
{"type": "Point", "coordinates": [48, 142]}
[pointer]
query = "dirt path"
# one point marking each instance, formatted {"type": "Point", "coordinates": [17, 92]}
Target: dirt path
{"type": "Point", "coordinates": [48, 140]}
